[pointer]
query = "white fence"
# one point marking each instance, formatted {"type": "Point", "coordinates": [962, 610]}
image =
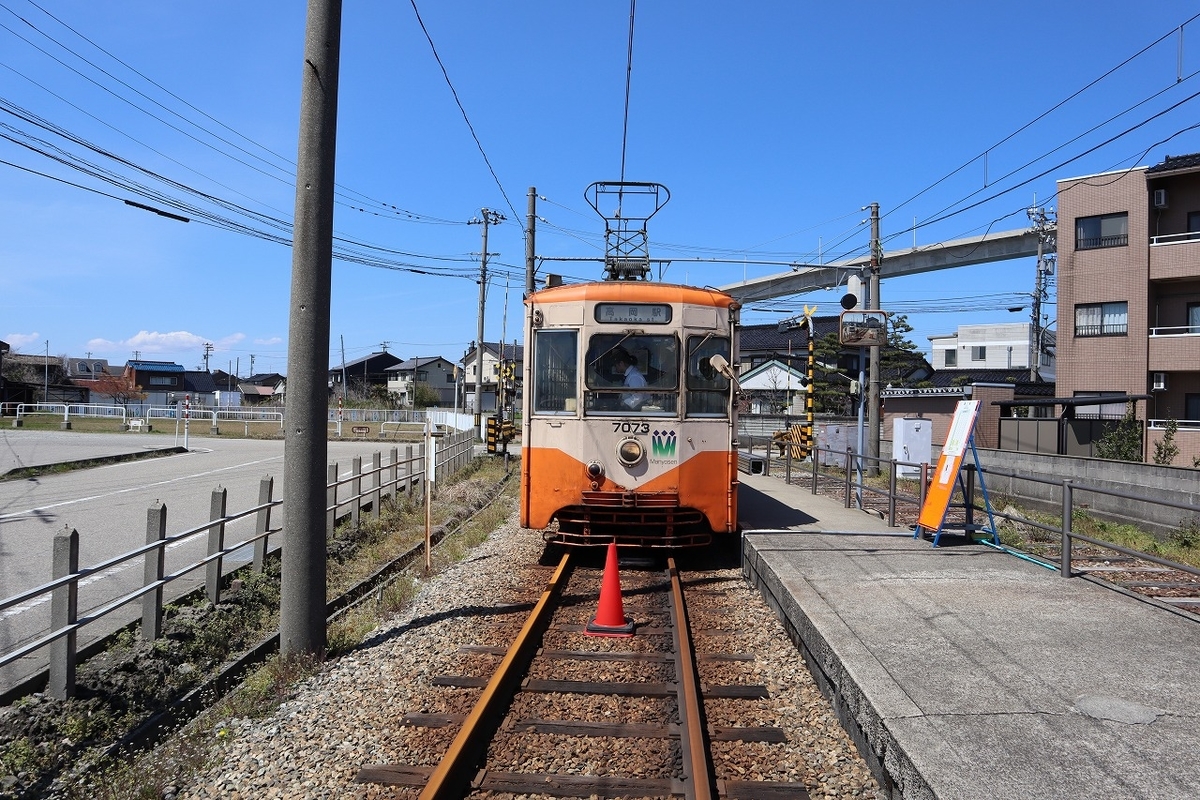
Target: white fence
{"type": "Point", "coordinates": [396, 419]}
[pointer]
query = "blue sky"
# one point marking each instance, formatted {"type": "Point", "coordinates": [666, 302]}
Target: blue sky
{"type": "Point", "coordinates": [771, 123]}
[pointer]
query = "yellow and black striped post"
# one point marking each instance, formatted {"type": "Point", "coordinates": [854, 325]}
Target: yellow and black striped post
{"type": "Point", "coordinates": [493, 434]}
{"type": "Point", "coordinates": [806, 441]}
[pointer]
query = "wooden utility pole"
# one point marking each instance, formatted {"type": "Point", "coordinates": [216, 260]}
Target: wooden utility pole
{"type": "Point", "coordinates": [306, 450]}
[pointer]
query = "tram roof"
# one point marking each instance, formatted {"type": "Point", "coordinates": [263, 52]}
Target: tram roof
{"type": "Point", "coordinates": [633, 291]}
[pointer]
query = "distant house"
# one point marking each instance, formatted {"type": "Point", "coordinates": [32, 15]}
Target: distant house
{"type": "Point", "coordinates": [434, 371]}
{"type": "Point", "coordinates": [999, 346]}
{"type": "Point", "coordinates": [774, 388]}
{"type": "Point", "coordinates": [937, 400]}
{"type": "Point", "coordinates": [86, 369]}
{"type": "Point", "coordinates": [266, 388]}
{"type": "Point", "coordinates": [362, 375]}
{"type": "Point", "coordinates": [513, 356]}
{"type": "Point", "coordinates": [161, 381]}
{"type": "Point", "coordinates": [836, 377]}
{"type": "Point", "coordinates": [39, 378]}
{"type": "Point", "coordinates": [199, 386]}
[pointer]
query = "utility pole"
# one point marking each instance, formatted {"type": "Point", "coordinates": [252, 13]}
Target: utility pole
{"type": "Point", "coordinates": [46, 378]}
{"type": "Point", "coordinates": [306, 446]}
{"type": "Point", "coordinates": [530, 222]}
{"type": "Point", "coordinates": [1044, 227]}
{"type": "Point", "coordinates": [489, 218]}
{"type": "Point", "coordinates": [208, 348]}
{"type": "Point", "coordinates": [876, 351]}
{"type": "Point", "coordinates": [252, 363]}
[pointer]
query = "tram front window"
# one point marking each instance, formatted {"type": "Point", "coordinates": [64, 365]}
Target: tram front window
{"type": "Point", "coordinates": [554, 371]}
{"type": "Point", "coordinates": [708, 389]}
{"type": "Point", "coordinates": [627, 374]}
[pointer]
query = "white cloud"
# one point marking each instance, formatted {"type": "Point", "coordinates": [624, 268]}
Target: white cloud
{"type": "Point", "coordinates": [227, 342]}
{"type": "Point", "coordinates": [149, 343]}
{"type": "Point", "coordinates": [18, 341]}
{"type": "Point", "coordinates": [267, 342]}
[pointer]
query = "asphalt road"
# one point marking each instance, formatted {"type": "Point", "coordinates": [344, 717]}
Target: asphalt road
{"type": "Point", "coordinates": [108, 506]}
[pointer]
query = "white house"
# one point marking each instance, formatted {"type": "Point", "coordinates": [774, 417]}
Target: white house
{"type": "Point", "coordinates": [994, 346]}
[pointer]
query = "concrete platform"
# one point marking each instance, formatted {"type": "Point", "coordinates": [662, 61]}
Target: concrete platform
{"type": "Point", "coordinates": [965, 672]}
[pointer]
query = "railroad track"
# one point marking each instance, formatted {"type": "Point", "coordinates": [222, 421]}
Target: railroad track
{"type": "Point", "coordinates": [560, 713]}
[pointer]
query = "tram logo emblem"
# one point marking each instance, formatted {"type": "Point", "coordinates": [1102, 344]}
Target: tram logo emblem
{"type": "Point", "coordinates": [662, 444]}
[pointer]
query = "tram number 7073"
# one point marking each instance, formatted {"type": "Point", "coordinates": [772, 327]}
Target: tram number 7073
{"type": "Point", "coordinates": [631, 427]}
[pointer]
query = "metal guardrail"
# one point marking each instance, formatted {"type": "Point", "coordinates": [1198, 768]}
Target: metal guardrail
{"type": "Point", "coordinates": [856, 490]}
{"type": "Point", "coordinates": [451, 453]}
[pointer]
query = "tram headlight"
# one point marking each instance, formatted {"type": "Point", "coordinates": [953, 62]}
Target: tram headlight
{"type": "Point", "coordinates": [595, 470]}
{"type": "Point", "coordinates": [630, 452]}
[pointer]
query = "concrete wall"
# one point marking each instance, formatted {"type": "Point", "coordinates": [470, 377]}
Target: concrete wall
{"type": "Point", "coordinates": [1176, 484]}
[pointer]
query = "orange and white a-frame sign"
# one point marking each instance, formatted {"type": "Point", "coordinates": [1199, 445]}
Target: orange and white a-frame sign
{"type": "Point", "coordinates": [938, 499]}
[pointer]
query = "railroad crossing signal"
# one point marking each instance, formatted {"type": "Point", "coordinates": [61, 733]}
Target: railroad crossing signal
{"type": "Point", "coordinates": [499, 433]}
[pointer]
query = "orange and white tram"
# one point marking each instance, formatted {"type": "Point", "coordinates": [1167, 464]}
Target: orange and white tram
{"type": "Point", "coordinates": [629, 415]}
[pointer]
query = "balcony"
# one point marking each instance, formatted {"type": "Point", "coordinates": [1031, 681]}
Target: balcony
{"type": "Point", "coordinates": [1172, 349]}
{"type": "Point", "coordinates": [1174, 256]}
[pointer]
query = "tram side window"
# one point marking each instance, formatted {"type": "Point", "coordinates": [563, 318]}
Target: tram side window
{"type": "Point", "coordinates": [555, 356]}
{"type": "Point", "coordinates": [632, 374]}
{"type": "Point", "coordinates": [707, 389]}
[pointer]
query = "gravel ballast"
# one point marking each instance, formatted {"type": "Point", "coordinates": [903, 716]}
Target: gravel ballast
{"type": "Point", "coordinates": [348, 715]}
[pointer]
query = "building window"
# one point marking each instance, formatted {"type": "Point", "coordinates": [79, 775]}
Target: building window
{"type": "Point", "coordinates": [162, 380]}
{"type": "Point", "coordinates": [1193, 312]}
{"type": "Point", "coordinates": [1193, 223]}
{"type": "Point", "coordinates": [1105, 230]}
{"type": "Point", "coordinates": [1191, 407]}
{"type": "Point", "coordinates": [1102, 319]}
{"type": "Point", "coordinates": [951, 358]}
{"type": "Point", "coordinates": [978, 353]}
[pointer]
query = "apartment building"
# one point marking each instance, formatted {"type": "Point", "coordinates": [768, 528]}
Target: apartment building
{"type": "Point", "coordinates": [1129, 295]}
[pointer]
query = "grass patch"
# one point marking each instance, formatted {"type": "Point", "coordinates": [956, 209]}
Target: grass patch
{"type": "Point", "coordinates": [461, 504]}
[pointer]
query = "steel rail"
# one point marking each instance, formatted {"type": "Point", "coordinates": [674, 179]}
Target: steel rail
{"type": "Point", "coordinates": [696, 762]}
{"type": "Point", "coordinates": [454, 772]}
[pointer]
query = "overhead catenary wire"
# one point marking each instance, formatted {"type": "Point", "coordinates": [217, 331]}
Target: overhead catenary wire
{"type": "Point", "coordinates": [446, 75]}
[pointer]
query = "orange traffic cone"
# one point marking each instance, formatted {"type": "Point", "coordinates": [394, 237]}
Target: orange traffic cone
{"type": "Point", "coordinates": [610, 618]}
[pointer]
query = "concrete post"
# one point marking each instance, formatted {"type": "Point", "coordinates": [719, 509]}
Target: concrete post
{"type": "Point", "coordinates": [376, 481]}
{"type": "Point", "coordinates": [216, 542]}
{"type": "Point", "coordinates": [153, 570]}
{"type": "Point", "coordinates": [64, 606]}
{"type": "Point", "coordinates": [262, 522]}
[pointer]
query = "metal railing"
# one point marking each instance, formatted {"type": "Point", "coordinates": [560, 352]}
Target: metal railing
{"type": "Point", "coordinates": [451, 453]}
{"type": "Point", "coordinates": [71, 410]}
{"type": "Point", "coordinates": [855, 490]}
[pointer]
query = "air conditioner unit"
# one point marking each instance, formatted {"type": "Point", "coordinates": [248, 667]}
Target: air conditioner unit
{"type": "Point", "coordinates": [1160, 198]}
{"type": "Point", "coordinates": [1160, 382]}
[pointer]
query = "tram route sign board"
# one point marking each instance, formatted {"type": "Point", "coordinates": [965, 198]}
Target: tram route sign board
{"type": "Point", "coordinates": [937, 500]}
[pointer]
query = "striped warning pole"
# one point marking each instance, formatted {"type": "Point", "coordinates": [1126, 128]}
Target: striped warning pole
{"type": "Point", "coordinates": [809, 434]}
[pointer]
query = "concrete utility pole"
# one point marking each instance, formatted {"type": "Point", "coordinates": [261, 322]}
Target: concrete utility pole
{"type": "Point", "coordinates": [1043, 226]}
{"type": "Point", "coordinates": [489, 218]}
{"type": "Point", "coordinates": [530, 222]}
{"type": "Point", "coordinates": [208, 348]}
{"type": "Point", "coordinates": [306, 449]}
{"type": "Point", "coordinates": [876, 351]}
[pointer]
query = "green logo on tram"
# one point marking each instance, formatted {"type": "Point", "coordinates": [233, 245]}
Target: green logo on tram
{"type": "Point", "coordinates": [662, 444]}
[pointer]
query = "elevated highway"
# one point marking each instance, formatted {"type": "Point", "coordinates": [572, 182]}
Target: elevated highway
{"type": "Point", "coordinates": [943, 255]}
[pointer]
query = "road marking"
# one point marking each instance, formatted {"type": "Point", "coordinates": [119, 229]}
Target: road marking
{"type": "Point", "coordinates": [114, 493]}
